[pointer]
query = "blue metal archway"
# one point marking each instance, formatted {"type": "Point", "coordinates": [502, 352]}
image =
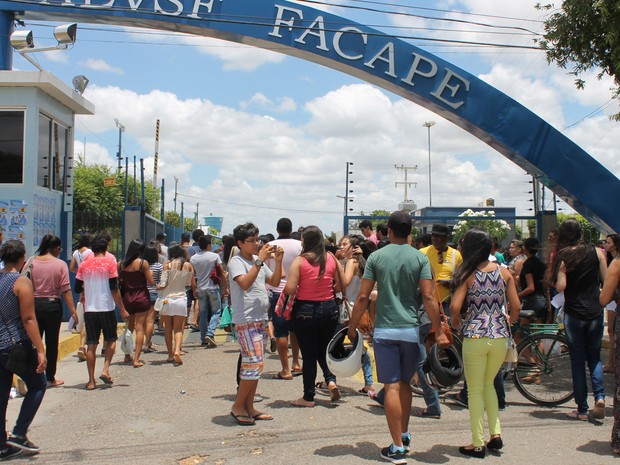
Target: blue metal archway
{"type": "Point", "coordinates": [355, 49]}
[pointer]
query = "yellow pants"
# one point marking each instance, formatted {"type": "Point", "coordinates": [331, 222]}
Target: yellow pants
{"type": "Point", "coordinates": [482, 359]}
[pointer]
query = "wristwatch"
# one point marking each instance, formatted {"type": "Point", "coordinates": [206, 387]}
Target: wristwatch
{"type": "Point", "coordinates": [258, 262]}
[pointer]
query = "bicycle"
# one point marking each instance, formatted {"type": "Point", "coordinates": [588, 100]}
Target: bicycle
{"type": "Point", "coordinates": [542, 373]}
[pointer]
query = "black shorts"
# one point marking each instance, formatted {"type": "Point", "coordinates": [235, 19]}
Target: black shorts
{"type": "Point", "coordinates": [98, 322]}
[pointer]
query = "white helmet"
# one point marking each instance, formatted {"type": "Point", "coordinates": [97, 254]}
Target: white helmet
{"type": "Point", "coordinates": [344, 360]}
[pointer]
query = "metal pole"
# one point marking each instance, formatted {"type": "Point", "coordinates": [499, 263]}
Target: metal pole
{"type": "Point", "coordinates": [121, 128]}
{"type": "Point", "coordinates": [176, 185]}
{"type": "Point", "coordinates": [428, 125]}
{"type": "Point", "coordinates": [7, 26]}
{"type": "Point", "coordinates": [163, 185]}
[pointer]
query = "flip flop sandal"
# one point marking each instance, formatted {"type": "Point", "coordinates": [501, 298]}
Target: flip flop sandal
{"type": "Point", "coordinates": [334, 394]}
{"type": "Point", "coordinates": [279, 376]}
{"type": "Point", "coordinates": [106, 379]}
{"type": "Point", "coordinates": [577, 416]}
{"type": "Point", "coordinates": [243, 420]}
{"type": "Point", "coordinates": [262, 417]}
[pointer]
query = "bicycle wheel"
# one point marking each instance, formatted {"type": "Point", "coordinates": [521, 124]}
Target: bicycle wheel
{"type": "Point", "coordinates": [542, 373]}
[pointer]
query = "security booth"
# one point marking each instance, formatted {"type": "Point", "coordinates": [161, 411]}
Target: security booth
{"type": "Point", "coordinates": [37, 117]}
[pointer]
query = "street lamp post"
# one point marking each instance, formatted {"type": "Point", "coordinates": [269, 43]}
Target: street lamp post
{"type": "Point", "coordinates": [428, 125]}
{"type": "Point", "coordinates": [121, 129]}
{"type": "Point", "coordinates": [347, 191]}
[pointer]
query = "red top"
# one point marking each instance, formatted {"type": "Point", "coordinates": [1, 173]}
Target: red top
{"type": "Point", "coordinates": [311, 289]}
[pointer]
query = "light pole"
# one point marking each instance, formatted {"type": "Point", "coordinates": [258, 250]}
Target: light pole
{"type": "Point", "coordinates": [347, 191]}
{"type": "Point", "coordinates": [428, 125]}
{"type": "Point", "coordinates": [176, 185]}
{"type": "Point", "coordinates": [121, 129]}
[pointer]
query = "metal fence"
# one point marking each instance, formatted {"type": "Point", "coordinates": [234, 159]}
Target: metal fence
{"type": "Point", "coordinates": [95, 223]}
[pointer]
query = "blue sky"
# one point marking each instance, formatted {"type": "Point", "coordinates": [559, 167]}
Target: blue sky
{"type": "Point", "coordinates": [254, 135]}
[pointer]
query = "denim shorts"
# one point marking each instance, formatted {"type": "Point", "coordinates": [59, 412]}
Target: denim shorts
{"type": "Point", "coordinates": [281, 326]}
{"type": "Point", "coordinates": [396, 360]}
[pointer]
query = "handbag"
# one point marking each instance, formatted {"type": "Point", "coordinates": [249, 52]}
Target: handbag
{"type": "Point", "coordinates": [512, 356]}
{"type": "Point", "coordinates": [226, 321]}
{"type": "Point", "coordinates": [215, 275]}
{"type": "Point", "coordinates": [27, 269]}
{"type": "Point", "coordinates": [159, 304]}
{"type": "Point", "coordinates": [284, 305]}
{"type": "Point", "coordinates": [344, 312]}
{"type": "Point", "coordinates": [127, 341]}
{"type": "Point", "coordinates": [22, 359]}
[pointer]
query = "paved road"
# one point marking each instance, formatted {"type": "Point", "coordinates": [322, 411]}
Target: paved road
{"type": "Point", "coordinates": [161, 414]}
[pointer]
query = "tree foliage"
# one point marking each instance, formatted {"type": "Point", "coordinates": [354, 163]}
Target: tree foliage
{"type": "Point", "coordinates": [174, 219]}
{"type": "Point", "coordinates": [583, 35]}
{"type": "Point", "coordinates": [591, 235]}
{"type": "Point", "coordinates": [91, 195]}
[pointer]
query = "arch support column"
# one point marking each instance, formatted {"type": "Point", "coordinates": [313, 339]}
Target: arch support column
{"type": "Point", "coordinates": [6, 29]}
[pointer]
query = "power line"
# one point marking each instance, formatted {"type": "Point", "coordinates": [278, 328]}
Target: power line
{"type": "Point", "coordinates": [259, 206]}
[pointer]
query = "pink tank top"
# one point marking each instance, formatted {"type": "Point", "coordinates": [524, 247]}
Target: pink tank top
{"type": "Point", "coordinates": [311, 289]}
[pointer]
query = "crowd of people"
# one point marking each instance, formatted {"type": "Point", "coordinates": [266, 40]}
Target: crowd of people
{"type": "Point", "coordinates": [287, 295]}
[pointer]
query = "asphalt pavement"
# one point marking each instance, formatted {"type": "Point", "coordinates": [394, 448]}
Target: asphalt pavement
{"type": "Point", "coordinates": [161, 414]}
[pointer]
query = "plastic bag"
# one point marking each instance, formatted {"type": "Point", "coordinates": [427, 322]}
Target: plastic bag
{"type": "Point", "coordinates": [79, 309]}
{"type": "Point", "coordinates": [127, 341]}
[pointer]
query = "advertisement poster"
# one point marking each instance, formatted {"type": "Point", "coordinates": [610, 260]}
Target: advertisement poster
{"type": "Point", "coordinates": [43, 219]}
{"type": "Point", "coordinates": [13, 218]}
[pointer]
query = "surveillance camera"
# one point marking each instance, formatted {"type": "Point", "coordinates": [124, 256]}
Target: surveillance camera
{"type": "Point", "coordinates": [66, 33]}
{"type": "Point", "coordinates": [22, 39]}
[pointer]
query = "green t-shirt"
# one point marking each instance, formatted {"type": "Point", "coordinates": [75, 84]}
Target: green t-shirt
{"type": "Point", "coordinates": [397, 269]}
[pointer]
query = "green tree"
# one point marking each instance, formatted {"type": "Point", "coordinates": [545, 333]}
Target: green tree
{"type": "Point", "coordinates": [174, 219]}
{"type": "Point", "coordinates": [91, 195]}
{"type": "Point", "coordinates": [584, 35]}
{"type": "Point", "coordinates": [591, 235]}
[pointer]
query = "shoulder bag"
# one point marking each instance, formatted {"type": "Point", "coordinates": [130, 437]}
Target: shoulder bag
{"type": "Point", "coordinates": [22, 359]}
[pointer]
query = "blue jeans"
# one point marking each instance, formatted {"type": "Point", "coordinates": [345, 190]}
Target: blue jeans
{"type": "Point", "coordinates": [431, 396]}
{"type": "Point", "coordinates": [314, 324]}
{"type": "Point", "coordinates": [210, 311]}
{"type": "Point", "coordinates": [584, 346]}
{"type": "Point", "coordinates": [367, 369]}
{"type": "Point", "coordinates": [36, 383]}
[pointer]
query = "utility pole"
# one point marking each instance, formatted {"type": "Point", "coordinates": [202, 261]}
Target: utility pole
{"type": "Point", "coordinates": [121, 129]}
{"type": "Point", "coordinates": [406, 183]}
{"type": "Point", "coordinates": [428, 125]}
{"type": "Point", "coordinates": [176, 185]}
{"type": "Point", "coordinates": [196, 216]}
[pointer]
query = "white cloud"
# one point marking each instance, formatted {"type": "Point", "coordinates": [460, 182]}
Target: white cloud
{"type": "Point", "coordinates": [102, 66]}
{"type": "Point", "coordinates": [260, 100]}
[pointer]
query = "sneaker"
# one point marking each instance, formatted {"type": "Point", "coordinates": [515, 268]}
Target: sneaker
{"type": "Point", "coordinates": [210, 341]}
{"type": "Point", "coordinates": [10, 452]}
{"type": "Point", "coordinates": [397, 457]}
{"type": "Point", "coordinates": [407, 442]}
{"type": "Point", "coordinates": [22, 442]}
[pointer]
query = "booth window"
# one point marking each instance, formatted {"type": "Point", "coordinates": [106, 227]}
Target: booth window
{"type": "Point", "coordinates": [12, 146]}
{"type": "Point", "coordinates": [45, 151]}
{"type": "Point", "coordinates": [52, 156]}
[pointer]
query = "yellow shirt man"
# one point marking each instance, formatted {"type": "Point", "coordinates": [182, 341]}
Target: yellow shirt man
{"type": "Point", "coordinates": [444, 266]}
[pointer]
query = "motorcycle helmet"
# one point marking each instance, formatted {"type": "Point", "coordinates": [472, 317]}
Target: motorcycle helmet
{"type": "Point", "coordinates": [443, 368]}
{"type": "Point", "coordinates": [344, 360]}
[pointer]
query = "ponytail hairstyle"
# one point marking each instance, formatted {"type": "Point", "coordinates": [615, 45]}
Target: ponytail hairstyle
{"type": "Point", "coordinates": [49, 243]}
{"type": "Point", "coordinates": [357, 241]}
{"type": "Point", "coordinates": [135, 249]}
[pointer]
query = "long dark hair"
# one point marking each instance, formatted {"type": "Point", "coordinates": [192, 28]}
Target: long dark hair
{"type": "Point", "coordinates": [135, 249]}
{"type": "Point", "coordinates": [151, 252]}
{"type": "Point", "coordinates": [228, 242]}
{"type": "Point", "coordinates": [615, 238]}
{"type": "Point", "coordinates": [357, 241]}
{"type": "Point", "coordinates": [313, 248]}
{"type": "Point", "coordinates": [48, 243]}
{"type": "Point", "coordinates": [570, 250]}
{"type": "Point", "coordinates": [475, 249]}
